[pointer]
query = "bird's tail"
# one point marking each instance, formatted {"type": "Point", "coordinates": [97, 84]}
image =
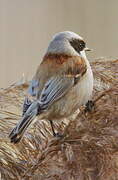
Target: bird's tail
{"type": "Point", "coordinates": [17, 133]}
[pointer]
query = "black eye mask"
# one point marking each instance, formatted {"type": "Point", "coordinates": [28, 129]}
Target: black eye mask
{"type": "Point", "coordinates": [78, 45]}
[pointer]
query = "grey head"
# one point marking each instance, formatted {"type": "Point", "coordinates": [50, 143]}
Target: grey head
{"type": "Point", "coordinates": [67, 42]}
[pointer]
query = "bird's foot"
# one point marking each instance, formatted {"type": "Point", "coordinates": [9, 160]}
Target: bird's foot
{"type": "Point", "coordinates": [58, 135]}
{"type": "Point", "coordinates": [89, 106]}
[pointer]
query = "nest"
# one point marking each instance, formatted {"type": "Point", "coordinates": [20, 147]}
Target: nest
{"type": "Point", "coordinates": [89, 148]}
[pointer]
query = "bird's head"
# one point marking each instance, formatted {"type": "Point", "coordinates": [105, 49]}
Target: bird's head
{"type": "Point", "coordinates": [68, 43]}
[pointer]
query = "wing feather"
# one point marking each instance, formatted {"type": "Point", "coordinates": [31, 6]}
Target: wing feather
{"type": "Point", "coordinates": [54, 89]}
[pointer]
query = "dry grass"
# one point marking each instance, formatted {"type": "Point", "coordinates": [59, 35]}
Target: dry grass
{"type": "Point", "coordinates": [89, 150]}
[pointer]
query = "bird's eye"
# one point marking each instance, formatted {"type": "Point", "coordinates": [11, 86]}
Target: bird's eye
{"type": "Point", "coordinates": [81, 45]}
{"type": "Point", "coordinates": [78, 45]}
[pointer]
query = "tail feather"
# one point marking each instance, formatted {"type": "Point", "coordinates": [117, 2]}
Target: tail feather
{"type": "Point", "coordinates": [18, 132]}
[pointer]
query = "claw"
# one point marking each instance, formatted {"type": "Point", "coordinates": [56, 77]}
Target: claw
{"type": "Point", "coordinates": [58, 135]}
{"type": "Point", "coordinates": [89, 106]}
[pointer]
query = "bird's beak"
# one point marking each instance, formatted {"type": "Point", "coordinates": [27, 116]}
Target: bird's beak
{"type": "Point", "coordinates": [87, 49]}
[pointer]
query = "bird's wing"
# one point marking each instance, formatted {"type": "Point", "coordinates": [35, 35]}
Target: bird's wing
{"type": "Point", "coordinates": [54, 89]}
{"type": "Point", "coordinates": [32, 92]}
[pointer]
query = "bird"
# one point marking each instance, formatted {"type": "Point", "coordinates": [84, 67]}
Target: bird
{"type": "Point", "coordinates": [62, 83]}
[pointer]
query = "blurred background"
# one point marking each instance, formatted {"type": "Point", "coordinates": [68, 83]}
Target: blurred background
{"type": "Point", "coordinates": [27, 26]}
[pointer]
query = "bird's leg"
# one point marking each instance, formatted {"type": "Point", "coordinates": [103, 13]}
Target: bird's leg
{"type": "Point", "coordinates": [52, 126]}
{"type": "Point", "coordinates": [54, 133]}
{"type": "Point", "coordinates": [89, 106]}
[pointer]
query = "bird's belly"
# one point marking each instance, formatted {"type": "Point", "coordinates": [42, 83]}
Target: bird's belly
{"type": "Point", "coordinates": [85, 88]}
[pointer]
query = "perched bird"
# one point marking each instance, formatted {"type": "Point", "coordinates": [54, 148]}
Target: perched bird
{"type": "Point", "coordinates": [63, 82]}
